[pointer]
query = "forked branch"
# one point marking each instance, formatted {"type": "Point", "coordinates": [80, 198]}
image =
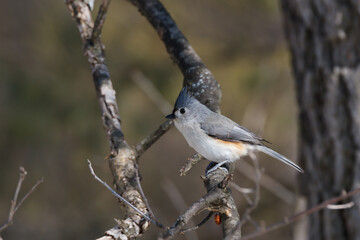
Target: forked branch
{"type": "Point", "coordinates": [122, 159]}
{"type": "Point", "coordinates": [14, 204]}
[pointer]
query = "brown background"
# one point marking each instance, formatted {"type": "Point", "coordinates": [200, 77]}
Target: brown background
{"type": "Point", "coordinates": [50, 122]}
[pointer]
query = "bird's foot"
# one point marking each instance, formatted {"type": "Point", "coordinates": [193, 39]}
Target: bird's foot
{"type": "Point", "coordinates": [218, 165]}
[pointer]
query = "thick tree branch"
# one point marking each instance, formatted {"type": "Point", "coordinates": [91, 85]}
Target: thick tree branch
{"type": "Point", "coordinates": [122, 160]}
{"type": "Point", "coordinates": [199, 79]}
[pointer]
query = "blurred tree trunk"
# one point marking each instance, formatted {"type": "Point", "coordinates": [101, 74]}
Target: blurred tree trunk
{"type": "Point", "coordinates": [324, 39]}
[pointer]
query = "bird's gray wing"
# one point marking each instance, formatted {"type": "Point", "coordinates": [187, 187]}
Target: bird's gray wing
{"type": "Point", "coordinates": [223, 128]}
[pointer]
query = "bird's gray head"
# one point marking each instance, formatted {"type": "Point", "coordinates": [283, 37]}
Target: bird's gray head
{"type": "Point", "coordinates": [186, 107]}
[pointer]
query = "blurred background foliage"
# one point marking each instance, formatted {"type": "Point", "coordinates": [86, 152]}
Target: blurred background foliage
{"type": "Point", "coordinates": [50, 121]}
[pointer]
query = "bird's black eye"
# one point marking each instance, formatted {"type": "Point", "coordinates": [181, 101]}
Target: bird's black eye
{"type": "Point", "coordinates": [182, 110]}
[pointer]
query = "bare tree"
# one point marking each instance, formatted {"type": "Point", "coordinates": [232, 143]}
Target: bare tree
{"type": "Point", "coordinates": [324, 39]}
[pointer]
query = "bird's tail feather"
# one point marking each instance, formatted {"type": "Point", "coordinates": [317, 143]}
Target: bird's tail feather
{"type": "Point", "coordinates": [278, 156]}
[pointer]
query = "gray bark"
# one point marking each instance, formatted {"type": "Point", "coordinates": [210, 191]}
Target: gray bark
{"type": "Point", "coordinates": [324, 39]}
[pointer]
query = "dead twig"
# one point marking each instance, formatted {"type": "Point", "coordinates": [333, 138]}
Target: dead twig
{"type": "Point", "coordinates": [267, 182]}
{"type": "Point", "coordinates": [178, 201]}
{"type": "Point", "coordinates": [14, 205]}
{"type": "Point", "coordinates": [148, 87]}
{"type": "Point", "coordinates": [151, 213]}
{"type": "Point", "coordinates": [244, 191]}
{"type": "Point", "coordinates": [199, 205]}
{"type": "Point", "coordinates": [118, 196]}
{"type": "Point", "coordinates": [190, 163]}
{"type": "Point", "coordinates": [253, 206]}
{"type": "Point", "coordinates": [300, 215]}
{"type": "Point", "coordinates": [198, 225]}
{"type": "Point", "coordinates": [149, 140]}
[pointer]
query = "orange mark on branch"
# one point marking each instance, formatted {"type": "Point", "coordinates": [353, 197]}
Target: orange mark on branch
{"type": "Point", "coordinates": [217, 219]}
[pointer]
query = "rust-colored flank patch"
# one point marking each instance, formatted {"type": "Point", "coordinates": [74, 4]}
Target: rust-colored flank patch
{"type": "Point", "coordinates": [239, 145]}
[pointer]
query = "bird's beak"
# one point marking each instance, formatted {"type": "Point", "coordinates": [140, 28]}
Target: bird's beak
{"type": "Point", "coordinates": [171, 116]}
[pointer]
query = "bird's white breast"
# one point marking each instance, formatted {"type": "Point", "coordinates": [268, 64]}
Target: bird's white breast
{"type": "Point", "coordinates": [211, 148]}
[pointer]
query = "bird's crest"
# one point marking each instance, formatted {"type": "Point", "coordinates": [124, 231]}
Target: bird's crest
{"type": "Point", "coordinates": [183, 99]}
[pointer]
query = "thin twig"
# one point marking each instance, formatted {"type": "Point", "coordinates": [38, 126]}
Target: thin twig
{"type": "Point", "coordinates": [149, 140]}
{"type": "Point", "coordinates": [99, 21]}
{"type": "Point", "coordinates": [253, 206]}
{"type": "Point", "coordinates": [300, 215]}
{"type": "Point", "coordinates": [177, 200]}
{"type": "Point", "coordinates": [190, 163]}
{"type": "Point", "coordinates": [29, 192]}
{"type": "Point", "coordinates": [148, 87]}
{"type": "Point", "coordinates": [117, 195]}
{"type": "Point", "coordinates": [151, 213]}
{"type": "Point", "coordinates": [340, 206]}
{"type": "Point", "coordinates": [242, 189]}
{"type": "Point", "coordinates": [199, 225]}
{"type": "Point", "coordinates": [267, 182]}
{"type": "Point", "coordinates": [14, 207]}
{"type": "Point", "coordinates": [152, 92]}
{"type": "Point", "coordinates": [244, 193]}
{"type": "Point", "coordinates": [199, 205]}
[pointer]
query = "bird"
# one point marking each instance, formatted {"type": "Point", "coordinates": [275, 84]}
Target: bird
{"type": "Point", "coordinates": [214, 136]}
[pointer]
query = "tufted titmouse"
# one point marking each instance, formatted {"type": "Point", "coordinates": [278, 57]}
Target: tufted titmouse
{"type": "Point", "coordinates": [214, 136]}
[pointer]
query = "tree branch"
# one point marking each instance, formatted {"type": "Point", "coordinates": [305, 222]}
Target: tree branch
{"type": "Point", "coordinates": [218, 199]}
{"type": "Point", "coordinates": [149, 140]}
{"type": "Point", "coordinates": [14, 207]}
{"type": "Point", "coordinates": [190, 162]}
{"type": "Point", "coordinates": [199, 205]}
{"type": "Point", "coordinates": [255, 202]}
{"type": "Point", "coordinates": [198, 225]}
{"type": "Point", "coordinates": [122, 160]}
{"type": "Point", "coordinates": [196, 76]}
{"type": "Point", "coordinates": [300, 215]}
{"type": "Point", "coordinates": [151, 91]}
{"type": "Point", "coordinates": [267, 182]}
{"type": "Point", "coordinates": [178, 202]}
{"type": "Point", "coordinates": [200, 82]}
{"type": "Point", "coordinates": [117, 195]}
{"type": "Point", "coordinates": [100, 19]}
